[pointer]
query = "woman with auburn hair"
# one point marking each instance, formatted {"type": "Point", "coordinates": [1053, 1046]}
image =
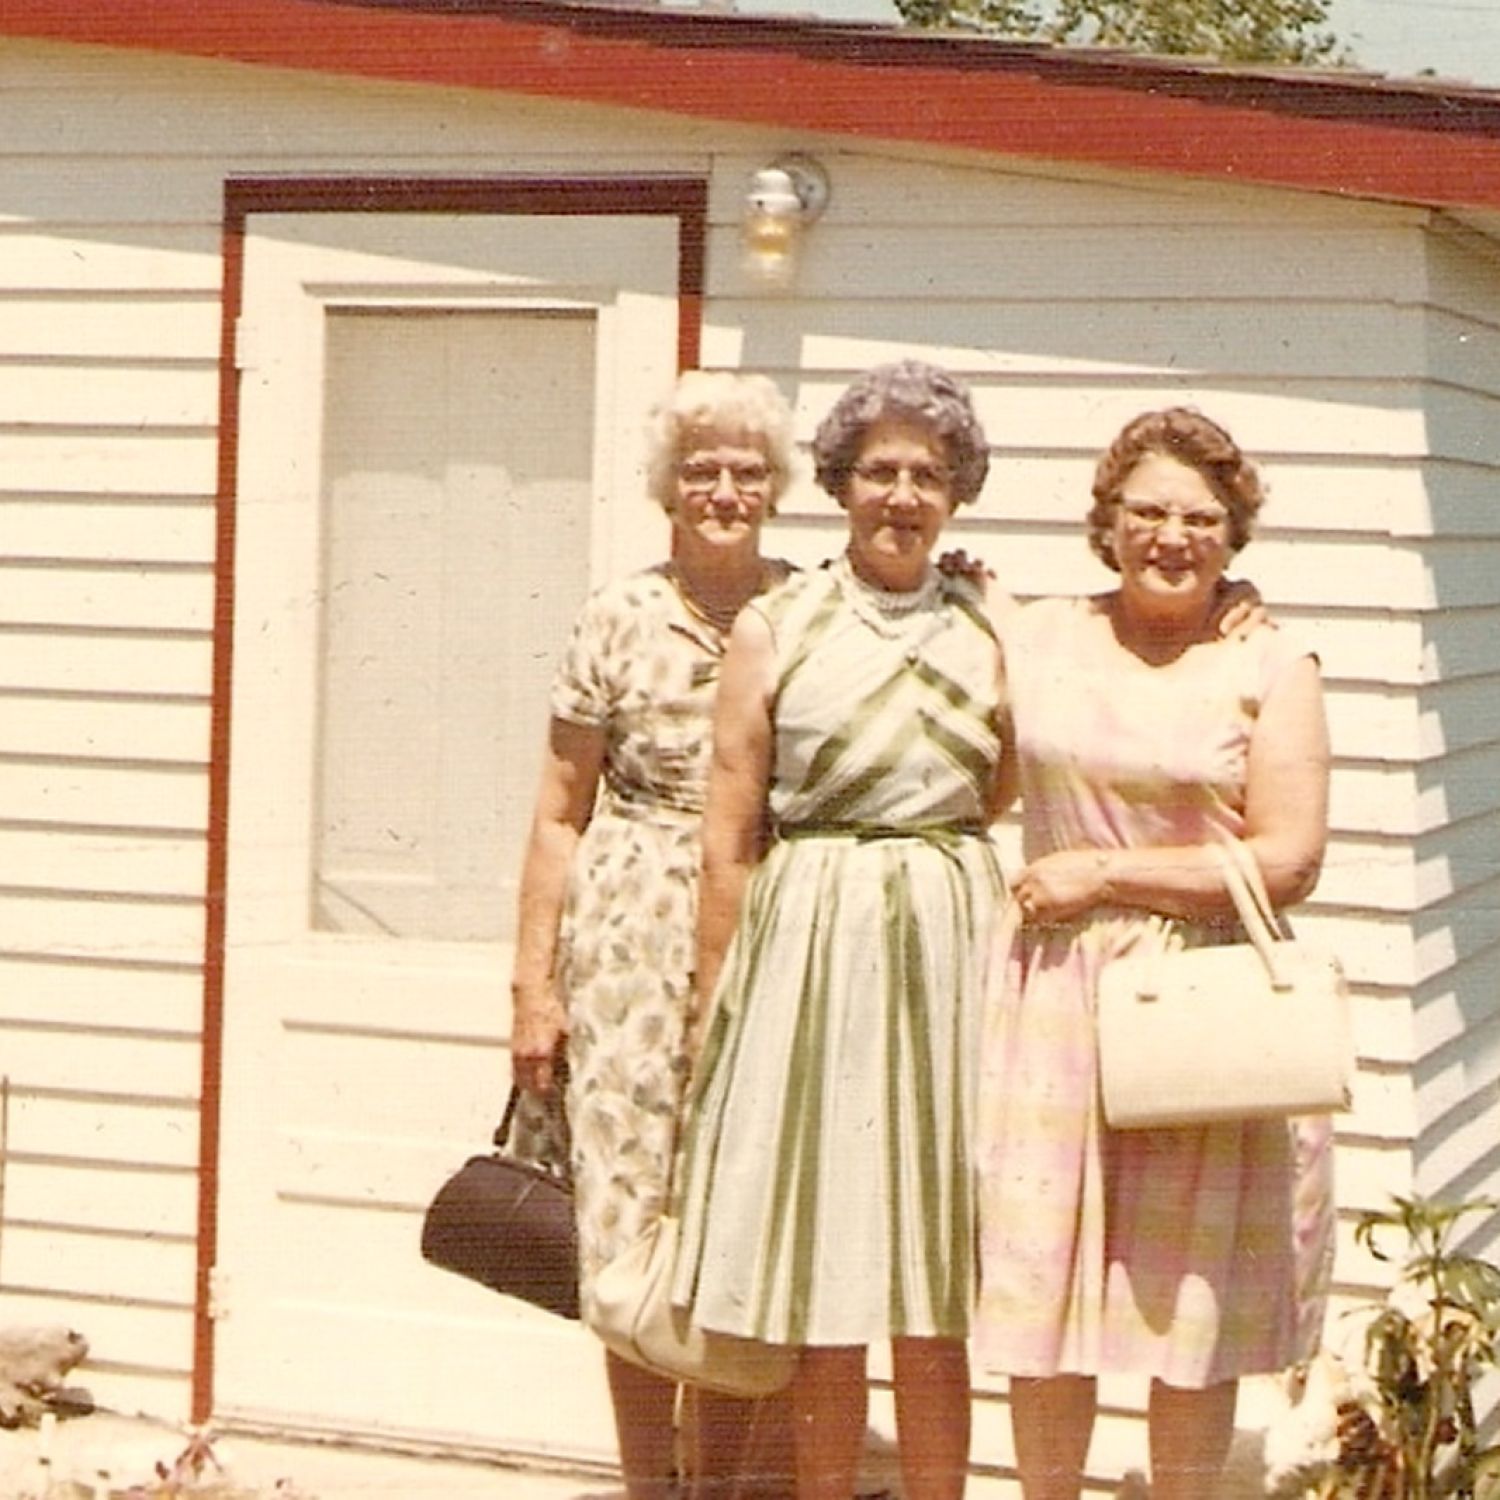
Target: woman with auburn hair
{"type": "Point", "coordinates": [1144, 736]}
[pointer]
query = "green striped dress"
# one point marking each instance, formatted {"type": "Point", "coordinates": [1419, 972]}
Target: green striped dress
{"type": "Point", "coordinates": [826, 1182]}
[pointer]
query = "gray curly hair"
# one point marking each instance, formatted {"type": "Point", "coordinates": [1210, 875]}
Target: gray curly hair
{"type": "Point", "coordinates": [724, 401]}
{"type": "Point", "coordinates": [908, 391]}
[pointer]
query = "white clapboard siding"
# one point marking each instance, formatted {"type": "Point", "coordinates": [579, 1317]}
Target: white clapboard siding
{"type": "Point", "coordinates": [164, 930]}
{"type": "Point", "coordinates": [1453, 999]}
{"type": "Point", "coordinates": [130, 1131]}
{"type": "Point", "coordinates": [893, 190]}
{"type": "Point", "coordinates": [135, 1267]}
{"type": "Point", "coordinates": [133, 597]}
{"type": "Point", "coordinates": [1304, 571]}
{"type": "Point", "coordinates": [1364, 873]}
{"type": "Point", "coordinates": [101, 728]}
{"type": "Point", "coordinates": [173, 663]}
{"type": "Point", "coordinates": [113, 998]}
{"type": "Point", "coordinates": [1258, 262]}
{"type": "Point", "coordinates": [1459, 268]}
{"type": "Point", "coordinates": [1328, 418]}
{"type": "Point", "coordinates": [1458, 928]}
{"type": "Point", "coordinates": [1350, 347]}
{"type": "Point", "coordinates": [103, 863]}
{"type": "Point", "coordinates": [121, 1334]}
{"type": "Point", "coordinates": [153, 530]}
{"type": "Point", "coordinates": [171, 798]}
{"type": "Point", "coordinates": [93, 461]}
{"type": "Point", "coordinates": [167, 258]}
{"type": "Point", "coordinates": [1455, 1102]}
{"type": "Point", "coordinates": [131, 327]}
{"type": "Point", "coordinates": [1003, 336]}
{"type": "Point", "coordinates": [95, 1059]}
{"type": "Point", "coordinates": [1455, 643]}
{"type": "Point", "coordinates": [100, 1196]}
{"type": "Point", "coordinates": [139, 396]}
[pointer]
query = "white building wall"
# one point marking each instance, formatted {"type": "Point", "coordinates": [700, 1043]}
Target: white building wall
{"type": "Point", "coordinates": [1455, 547]}
{"type": "Point", "coordinates": [1347, 346]}
{"type": "Point", "coordinates": [1304, 327]}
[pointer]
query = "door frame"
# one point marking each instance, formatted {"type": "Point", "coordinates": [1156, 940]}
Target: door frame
{"type": "Point", "coordinates": [679, 197]}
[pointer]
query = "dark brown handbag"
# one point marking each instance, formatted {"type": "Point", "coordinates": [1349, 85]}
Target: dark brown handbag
{"type": "Point", "coordinates": [508, 1224]}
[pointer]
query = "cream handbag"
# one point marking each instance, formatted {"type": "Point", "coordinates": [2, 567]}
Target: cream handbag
{"type": "Point", "coordinates": [1196, 1035]}
{"type": "Point", "coordinates": [630, 1307]}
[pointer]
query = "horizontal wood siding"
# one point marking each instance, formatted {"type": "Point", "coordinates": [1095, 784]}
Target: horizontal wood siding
{"type": "Point", "coordinates": [1352, 352]}
{"type": "Point", "coordinates": [1456, 1071]}
{"type": "Point", "coordinates": [1329, 384]}
{"type": "Point", "coordinates": [109, 327]}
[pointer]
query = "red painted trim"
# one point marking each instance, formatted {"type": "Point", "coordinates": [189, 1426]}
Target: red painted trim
{"type": "Point", "coordinates": [210, 1110]}
{"type": "Point", "coordinates": [684, 198]}
{"type": "Point", "coordinates": [1423, 143]}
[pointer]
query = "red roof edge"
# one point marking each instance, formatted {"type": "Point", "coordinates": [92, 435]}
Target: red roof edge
{"type": "Point", "coordinates": [1420, 142]}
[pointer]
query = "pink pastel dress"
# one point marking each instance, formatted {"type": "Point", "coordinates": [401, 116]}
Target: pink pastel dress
{"type": "Point", "coordinates": [1190, 1255]}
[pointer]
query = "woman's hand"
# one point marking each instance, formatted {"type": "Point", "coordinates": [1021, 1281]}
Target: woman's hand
{"type": "Point", "coordinates": [1063, 885]}
{"type": "Point", "coordinates": [538, 1039]}
{"type": "Point", "coordinates": [956, 563]}
{"type": "Point", "coordinates": [1239, 610]}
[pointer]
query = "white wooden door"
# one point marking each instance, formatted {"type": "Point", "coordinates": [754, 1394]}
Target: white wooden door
{"type": "Point", "coordinates": [440, 453]}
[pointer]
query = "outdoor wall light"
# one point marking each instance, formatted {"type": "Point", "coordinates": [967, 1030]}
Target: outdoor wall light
{"type": "Point", "coordinates": [782, 200]}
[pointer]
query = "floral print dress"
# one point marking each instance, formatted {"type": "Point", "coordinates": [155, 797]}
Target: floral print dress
{"type": "Point", "coordinates": [642, 668]}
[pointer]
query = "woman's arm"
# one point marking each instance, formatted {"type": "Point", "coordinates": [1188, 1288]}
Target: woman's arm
{"type": "Point", "coordinates": [734, 815]}
{"type": "Point", "coordinates": [1286, 828]}
{"type": "Point", "coordinates": [565, 802]}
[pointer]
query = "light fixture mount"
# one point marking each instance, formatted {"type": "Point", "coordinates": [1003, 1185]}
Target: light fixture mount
{"type": "Point", "coordinates": [782, 200]}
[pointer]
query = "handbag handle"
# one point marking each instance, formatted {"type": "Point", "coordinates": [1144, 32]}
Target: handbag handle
{"type": "Point", "coordinates": [502, 1130]}
{"type": "Point", "coordinates": [1252, 903]}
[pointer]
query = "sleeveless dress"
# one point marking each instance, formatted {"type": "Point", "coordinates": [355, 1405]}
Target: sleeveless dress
{"type": "Point", "coordinates": [827, 1177]}
{"type": "Point", "coordinates": [643, 669]}
{"type": "Point", "coordinates": [1191, 1255]}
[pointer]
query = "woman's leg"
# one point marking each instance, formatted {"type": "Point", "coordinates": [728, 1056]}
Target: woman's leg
{"type": "Point", "coordinates": [645, 1425]}
{"type": "Point", "coordinates": [829, 1406]}
{"type": "Point", "coordinates": [932, 1416]}
{"type": "Point", "coordinates": [1053, 1420]}
{"type": "Point", "coordinates": [1190, 1436]}
{"type": "Point", "coordinates": [742, 1450]}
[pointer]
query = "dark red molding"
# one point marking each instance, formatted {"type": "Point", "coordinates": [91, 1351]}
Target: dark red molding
{"type": "Point", "coordinates": [683, 198]}
{"type": "Point", "coordinates": [1352, 133]}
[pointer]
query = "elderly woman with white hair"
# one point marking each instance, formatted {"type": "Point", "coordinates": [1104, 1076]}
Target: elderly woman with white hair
{"type": "Point", "coordinates": [848, 886]}
{"type": "Point", "coordinates": [604, 949]}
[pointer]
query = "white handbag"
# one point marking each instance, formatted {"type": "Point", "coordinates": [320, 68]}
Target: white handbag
{"type": "Point", "coordinates": [630, 1308]}
{"type": "Point", "coordinates": [1238, 1031]}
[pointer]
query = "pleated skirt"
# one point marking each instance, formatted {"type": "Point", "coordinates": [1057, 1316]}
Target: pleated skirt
{"type": "Point", "coordinates": [826, 1184]}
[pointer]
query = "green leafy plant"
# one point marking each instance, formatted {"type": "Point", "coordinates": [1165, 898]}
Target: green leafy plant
{"type": "Point", "coordinates": [1432, 1339]}
{"type": "Point", "coordinates": [1234, 31]}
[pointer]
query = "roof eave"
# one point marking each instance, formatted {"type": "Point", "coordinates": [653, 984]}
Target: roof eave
{"type": "Point", "coordinates": [1358, 135]}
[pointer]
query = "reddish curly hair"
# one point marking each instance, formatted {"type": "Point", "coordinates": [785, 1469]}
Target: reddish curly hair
{"type": "Point", "coordinates": [1183, 433]}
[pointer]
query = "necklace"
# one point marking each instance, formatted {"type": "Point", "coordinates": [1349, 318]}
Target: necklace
{"type": "Point", "coordinates": [887, 611]}
{"type": "Point", "coordinates": [719, 617]}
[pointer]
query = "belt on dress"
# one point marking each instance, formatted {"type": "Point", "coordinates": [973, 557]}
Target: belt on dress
{"type": "Point", "coordinates": [641, 810]}
{"type": "Point", "coordinates": [944, 835]}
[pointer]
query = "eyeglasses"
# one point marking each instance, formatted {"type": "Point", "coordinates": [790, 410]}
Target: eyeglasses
{"type": "Point", "coordinates": [1146, 515]}
{"type": "Point", "coordinates": [702, 478]}
{"type": "Point", "coordinates": [930, 481]}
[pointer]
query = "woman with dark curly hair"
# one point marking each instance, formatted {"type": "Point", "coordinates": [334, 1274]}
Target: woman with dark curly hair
{"type": "Point", "coordinates": [1194, 1255]}
{"type": "Point", "coordinates": [847, 890]}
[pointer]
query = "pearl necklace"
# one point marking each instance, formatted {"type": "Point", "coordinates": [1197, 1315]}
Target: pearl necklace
{"type": "Point", "coordinates": [887, 611]}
